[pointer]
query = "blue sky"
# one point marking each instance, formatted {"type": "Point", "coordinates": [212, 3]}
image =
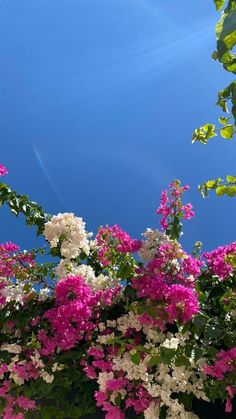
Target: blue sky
{"type": "Point", "coordinates": [98, 102]}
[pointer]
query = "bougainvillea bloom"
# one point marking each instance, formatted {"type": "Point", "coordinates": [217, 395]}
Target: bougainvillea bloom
{"type": "Point", "coordinates": [3, 170]}
{"type": "Point", "coordinates": [111, 239]}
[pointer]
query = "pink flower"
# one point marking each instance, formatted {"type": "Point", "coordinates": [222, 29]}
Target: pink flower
{"type": "Point", "coordinates": [25, 403]}
{"type": "Point", "coordinates": [219, 260]}
{"type": "Point", "coordinates": [188, 211]}
{"type": "Point", "coordinates": [225, 363]}
{"type": "Point", "coordinates": [171, 205]}
{"type": "Point", "coordinates": [191, 265]}
{"type": "Point", "coordinates": [3, 368]}
{"type": "Point", "coordinates": [4, 388]}
{"type": "Point", "coordinates": [139, 405]}
{"type": "Point", "coordinates": [115, 384]}
{"type": "Point", "coordinates": [100, 397]}
{"type": "Point", "coordinates": [3, 170]}
{"type": "Point", "coordinates": [115, 413]}
{"type": "Point", "coordinates": [9, 247]}
{"type": "Point", "coordinates": [75, 313]}
{"type": "Point", "coordinates": [114, 238]}
{"type": "Point", "coordinates": [228, 406]}
{"type": "Point", "coordinates": [182, 303]}
{"type": "Point", "coordinates": [96, 352]}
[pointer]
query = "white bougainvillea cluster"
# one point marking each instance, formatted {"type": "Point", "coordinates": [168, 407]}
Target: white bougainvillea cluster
{"type": "Point", "coordinates": [69, 232]}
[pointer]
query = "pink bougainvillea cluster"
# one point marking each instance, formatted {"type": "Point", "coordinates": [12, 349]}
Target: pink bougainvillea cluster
{"type": "Point", "coordinates": [114, 239]}
{"type": "Point", "coordinates": [168, 281]}
{"type": "Point", "coordinates": [3, 170]}
{"type": "Point", "coordinates": [13, 262]}
{"type": "Point", "coordinates": [219, 260]}
{"type": "Point", "coordinates": [224, 365]}
{"type": "Point", "coordinates": [75, 313]}
{"type": "Point", "coordinates": [171, 204]}
{"type": "Point", "coordinates": [102, 364]}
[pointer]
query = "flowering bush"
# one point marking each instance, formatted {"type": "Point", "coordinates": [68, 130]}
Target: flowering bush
{"type": "Point", "coordinates": [119, 324]}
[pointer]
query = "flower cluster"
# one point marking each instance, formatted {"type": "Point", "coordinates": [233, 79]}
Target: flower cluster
{"type": "Point", "coordinates": [3, 170]}
{"type": "Point", "coordinates": [114, 239]}
{"type": "Point", "coordinates": [167, 284]}
{"type": "Point", "coordinates": [66, 267]}
{"type": "Point", "coordinates": [172, 209]}
{"type": "Point", "coordinates": [68, 231]}
{"type": "Point", "coordinates": [126, 363]}
{"type": "Point", "coordinates": [222, 260]}
{"type": "Point", "coordinates": [225, 368]}
{"type": "Point", "coordinates": [106, 328]}
{"type": "Point", "coordinates": [13, 263]}
{"type": "Point", "coordinates": [75, 313]}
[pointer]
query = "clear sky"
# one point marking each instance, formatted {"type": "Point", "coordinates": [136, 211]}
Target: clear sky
{"type": "Point", "coordinates": [98, 100]}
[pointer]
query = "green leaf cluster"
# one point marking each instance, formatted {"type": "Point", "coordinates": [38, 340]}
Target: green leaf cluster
{"type": "Point", "coordinates": [21, 204]}
{"type": "Point", "coordinates": [221, 187]}
{"type": "Point", "coordinates": [225, 54]}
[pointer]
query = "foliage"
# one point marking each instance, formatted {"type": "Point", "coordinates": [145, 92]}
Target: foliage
{"type": "Point", "coordinates": [225, 55]}
{"type": "Point", "coordinates": [17, 203]}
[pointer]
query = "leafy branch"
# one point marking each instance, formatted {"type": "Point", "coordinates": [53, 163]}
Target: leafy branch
{"type": "Point", "coordinates": [34, 213]}
{"type": "Point", "coordinates": [224, 53]}
{"type": "Point", "coordinates": [221, 187]}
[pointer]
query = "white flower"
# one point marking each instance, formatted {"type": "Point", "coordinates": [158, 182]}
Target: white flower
{"type": "Point", "coordinates": [43, 294]}
{"type": "Point", "coordinates": [133, 371]}
{"type": "Point", "coordinates": [104, 339]}
{"type": "Point", "coordinates": [69, 231]}
{"type": "Point", "coordinates": [57, 367]}
{"type": "Point", "coordinates": [128, 321]}
{"type": "Point", "coordinates": [152, 412]}
{"type": "Point", "coordinates": [153, 335]}
{"type": "Point", "coordinates": [66, 267]}
{"type": "Point", "coordinates": [172, 343]}
{"type": "Point", "coordinates": [102, 379]}
{"type": "Point", "coordinates": [13, 348]}
{"type": "Point", "coordinates": [36, 359]}
{"type": "Point", "coordinates": [153, 239]}
{"type": "Point", "coordinates": [14, 293]}
{"type": "Point", "coordinates": [17, 380]}
{"type": "Point", "coordinates": [48, 378]}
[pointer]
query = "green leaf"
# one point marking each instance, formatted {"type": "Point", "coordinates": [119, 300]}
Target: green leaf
{"type": "Point", "coordinates": [182, 360]}
{"type": "Point", "coordinates": [155, 360]}
{"type": "Point", "coordinates": [135, 357]}
{"type": "Point", "coordinates": [223, 120]}
{"type": "Point", "coordinates": [167, 355]}
{"type": "Point", "coordinates": [221, 190]}
{"type": "Point", "coordinates": [231, 191]}
{"type": "Point", "coordinates": [230, 39]}
{"type": "Point", "coordinates": [223, 105]}
{"type": "Point", "coordinates": [213, 332]}
{"type": "Point", "coordinates": [219, 4]}
{"type": "Point", "coordinates": [215, 55]}
{"type": "Point", "coordinates": [185, 399]}
{"type": "Point", "coordinates": [211, 184]}
{"type": "Point", "coordinates": [231, 179]}
{"type": "Point", "coordinates": [227, 132]}
{"type": "Point", "coordinates": [197, 353]}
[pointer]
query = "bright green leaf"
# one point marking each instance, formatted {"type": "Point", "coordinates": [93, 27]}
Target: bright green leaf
{"type": "Point", "coordinates": [231, 179]}
{"type": "Point", "coordinates": [230, 40]}
{"type": "Point", "coordinates": [227, 132]}
{"type": "Point", "coordinates": [223, 120]}
{"type": "Point", "coordinates": [221, 190]}
{"type": "Point", "coordinates": [231, 191]}
{"type": "Point", "coordinates": [219, 4]}
{"type": "Point", "coordinates": [135, 357]}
